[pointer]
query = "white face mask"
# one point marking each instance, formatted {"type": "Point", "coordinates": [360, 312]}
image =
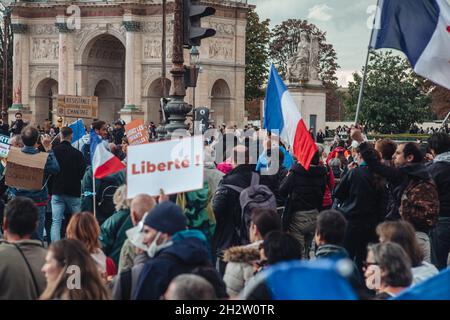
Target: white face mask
{"type": "Point", "coordinates": [154, 248]}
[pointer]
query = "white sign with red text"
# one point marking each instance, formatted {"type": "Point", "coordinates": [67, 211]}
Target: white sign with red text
{"type": "Point", "coordinates": [175, 166]}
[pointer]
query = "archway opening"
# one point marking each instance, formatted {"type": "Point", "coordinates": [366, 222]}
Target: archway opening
{"type": "Point", "coordinates": [46, 99]}
{"type": "Point", "coordinates": [158, 89]}
{"type": "Point", "coordinates": [103, 75]}
{"type": "Point", "coordinates": [220, 102]}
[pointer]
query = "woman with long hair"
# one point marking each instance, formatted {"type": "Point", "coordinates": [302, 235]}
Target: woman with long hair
{"type": "Point", "coordinates": [71, 273]}
{"type": "Point", "coordinates": [84, 227]}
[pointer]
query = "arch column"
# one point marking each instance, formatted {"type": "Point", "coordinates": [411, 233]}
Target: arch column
{"type": "Point", "coordinates": [21, 60]}
{"type": "Point", "coordinates": [133, 62]}
{"type": "Point", "coordinates": [66, 66]}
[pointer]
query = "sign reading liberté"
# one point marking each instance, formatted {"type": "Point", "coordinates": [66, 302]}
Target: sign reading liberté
{"type": "Point", "coordinates": [175, 166]}
{"type": "Point", "coordinates": [4, 146]}
{"type": "Point", "coordinates": [77, 107]}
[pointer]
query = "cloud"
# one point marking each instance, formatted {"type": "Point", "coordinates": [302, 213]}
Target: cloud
{"type": "Point", "coordinates": [320, 12]}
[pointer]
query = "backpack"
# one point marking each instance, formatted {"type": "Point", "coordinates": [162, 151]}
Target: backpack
{"type": "Point", "coordinates": [420, 203]}
{"type": "Point", "coordinates": [254, 196]}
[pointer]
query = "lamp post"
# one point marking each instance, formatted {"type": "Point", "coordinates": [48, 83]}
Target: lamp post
{"type": "Point", "coordinates": [194, 57]}
{"type": "Point", "coordinates": [177, 109]}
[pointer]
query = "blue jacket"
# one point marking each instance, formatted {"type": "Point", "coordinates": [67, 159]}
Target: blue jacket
{"type": "Point", "coordinates": [51, 168]}
{"type": "Point", "coordinates": [185, 254]}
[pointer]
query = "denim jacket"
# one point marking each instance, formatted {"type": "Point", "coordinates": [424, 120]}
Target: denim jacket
{"type": "Point", "coordinates": [51, 168]}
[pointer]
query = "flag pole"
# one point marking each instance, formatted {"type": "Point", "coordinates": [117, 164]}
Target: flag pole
{"type": "Point", "coordinates": [94, 194]}
{"type": "Point", "coordinates": [363, 82]}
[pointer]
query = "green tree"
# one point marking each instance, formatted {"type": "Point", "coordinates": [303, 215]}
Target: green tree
{"type": "Point", "coordinates": [256, 55]}
{"type": "Point", "coordinates": [394, 96]}
{"type": "Point", "coordinates": [285, 39]}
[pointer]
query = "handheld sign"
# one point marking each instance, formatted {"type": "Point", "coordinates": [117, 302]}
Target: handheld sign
{"type": "Point", "coordinates": [137, 133]}
{"type": "Point", "coordinates": [4, 146]}
{"type": "Point", "coordinates": [25, 171]}
{"type": "Point", "coordinates": [174, 166]}
{"type": "Point", "coordinates": [77, 107]}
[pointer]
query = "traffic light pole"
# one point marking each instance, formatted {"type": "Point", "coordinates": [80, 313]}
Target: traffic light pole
{"type": "Point", "coordinates": [177, 108]}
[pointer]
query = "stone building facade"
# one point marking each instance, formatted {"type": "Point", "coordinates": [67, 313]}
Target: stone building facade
{"type": "Point", "coordinates": [112, 49]}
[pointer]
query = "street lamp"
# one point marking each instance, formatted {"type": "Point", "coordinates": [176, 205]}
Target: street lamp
{"type": "Point", "coordinates": [194, 56]}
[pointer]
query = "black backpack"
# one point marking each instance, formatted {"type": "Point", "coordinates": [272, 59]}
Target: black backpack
{"type": "Point", "coordinates": [254, 196]}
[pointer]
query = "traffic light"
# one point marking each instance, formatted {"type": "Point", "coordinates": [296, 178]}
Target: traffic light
{"type": "Point", "coordinates": [201, 119]}
{"type": "Point", "coordinates": [192, 14]}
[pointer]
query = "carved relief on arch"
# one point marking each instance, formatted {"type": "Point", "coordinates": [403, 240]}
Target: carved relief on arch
{"type": "Point", "coordinates": [90, 31]}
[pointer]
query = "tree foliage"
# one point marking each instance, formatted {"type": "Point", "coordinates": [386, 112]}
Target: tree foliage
{"type": "Point", "coordinates": [256, 55]}
{"type": "Point", "coordinates": [284, 42]}
{"type": "Point", "coordinates": [394, 96]}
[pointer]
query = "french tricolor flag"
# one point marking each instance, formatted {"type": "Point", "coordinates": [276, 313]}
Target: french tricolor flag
{"type": "Point", "coordinates": [104, 163]}
{"type": "Point", "coordinates": [282, 114]}
{"type": "Point", "coordinates": [421, 30]}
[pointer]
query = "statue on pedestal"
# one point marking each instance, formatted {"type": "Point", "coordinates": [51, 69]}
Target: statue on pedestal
{"type": "Point", "coordinates": [298, 65]}
{"type": "Point", "coordinates": [314, 60]}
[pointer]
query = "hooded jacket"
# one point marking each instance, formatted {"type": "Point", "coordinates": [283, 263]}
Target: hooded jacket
{"type": "Point", "coordinates": [188, 251]}
{"type": "Point", "coordinates": [440, 172]}
{"type": "Point", "coordinates": [227, 208]}
{"type": "Point", "coordinates": [306, 188]}
{"type": "Point", "coordinates": [239, 268]}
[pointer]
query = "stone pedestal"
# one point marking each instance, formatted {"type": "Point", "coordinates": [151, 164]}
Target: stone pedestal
{"type": "Point", "coordinates": [311, 99]}
{"type": "Point", "coordinates": [129, 115]}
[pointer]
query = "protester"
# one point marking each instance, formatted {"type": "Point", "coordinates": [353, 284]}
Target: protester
{"type": "Point", "coordinates": [211, 173]}
{"type": "Point", "coordinates": [172, 250]}
{"type": "Point", "coordinates": [66, 185]}
{"type": "Point", "coordinates": [439, 144]}
{"type": "Point", "coordinates": [226, 204]}
{"type": "Point", "coordinates": [85, 228]}
{"type": "Point", "coordinates": [112, 231]}
{"type": "Point", "coordinates": [387, 270]}
{"type": "Point", "coordinates": [304, 191]}
{"type": "Point", "coordinates": [190, 287]}
{"type": "Point", "coordinates": [279, 247]}
{"type": "Point", "coordinates": [4, 128]}
{"type": "Point", "coordinates": [402, 233]}
{"type": "Point", "coordinates": [104, 190]}
{"type": "Point", "coordinates": [386, 148]}
{"type": "Point", "coordinates": [17, 125]}
{"type": "Point", "coordinates": [421, 210]}
{"type": "Point", "coordinates": [408, 173]}
{"type": "Point", "coordinates": [21, 258]}
{"type": "Point", "coordinates": [133, 254]}
{"type": "Point", "coordinates": [30, 137]}
{"type": "Point", "coordinates": [140, 205]}
{"type": "Point", "coordinates": [101, 130]}
{"type": "Point", "coordinates": [320, 136]}
{"type": "Point", "coordinates": [240, 260]}
{"type": "Point", "coordinates": [213, 277]}
{"type": "Point", "coordinates": [118, 132]}
{"type": "Point", "coordinates": [359, 195]}
{"type": "Point", "coordinates": [59, 270]}
{"type": "Point", "coordinates": [329, 240]}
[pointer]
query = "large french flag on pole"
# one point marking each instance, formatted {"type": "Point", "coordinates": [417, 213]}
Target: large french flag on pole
{"type": "Point", "coordinates": [421, 30]}
{"type": "Point", "coordinates": [282, 114]}
{"type": "Point", "coordinates": [104, 163]}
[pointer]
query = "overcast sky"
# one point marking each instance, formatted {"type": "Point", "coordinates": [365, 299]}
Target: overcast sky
{"type": "Point", "coordinates": [345, 22]}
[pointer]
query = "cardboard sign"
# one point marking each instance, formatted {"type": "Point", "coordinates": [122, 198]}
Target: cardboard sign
{"type": "Point", "coordinates": [77, 107]}
{"type": "Point", "coordinates": [136, 132]}
{"type": "Point", "coordinates": [4, 146]}
{"type": "Point", "coordinates": [25, 171]}
{"type": "Point", "coordinates": [174, 166]}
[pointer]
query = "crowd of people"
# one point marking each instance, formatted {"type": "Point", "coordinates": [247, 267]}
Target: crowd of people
{"type": "Point", "coordinates": [383, 208]}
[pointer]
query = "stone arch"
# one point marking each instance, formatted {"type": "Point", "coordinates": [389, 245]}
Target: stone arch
{"type": "Point", "coordinates": [45, 100]}
{"type": "Point", "coordinates": [154, 94]}
{"type": "Point", "coordinates": [88, 41]}
{"type": "Point", "coordinates": [103, 73]}
{"type": "Point", "coordinates": [221, 102]}
{"type": "Point", "coordinates": [108, 104]}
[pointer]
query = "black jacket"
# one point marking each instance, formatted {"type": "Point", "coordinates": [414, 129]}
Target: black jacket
{"type": "Point", "coordinates": [68, 180]}
{"type": "Point", "coordinates": [227, 208]}
{"type": "Point", "coordinates": [306, 188]}
{"type": "Point", "coordinates": [17, 126]}
{"type": "Point", "coordinates": [440, 172]}
{"type": "Point", "coordinates": [118, 134]}
{"type": "Point", "coordinates": [358, 196]}
{"type": "Point", "coordinates": [399, 179]}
